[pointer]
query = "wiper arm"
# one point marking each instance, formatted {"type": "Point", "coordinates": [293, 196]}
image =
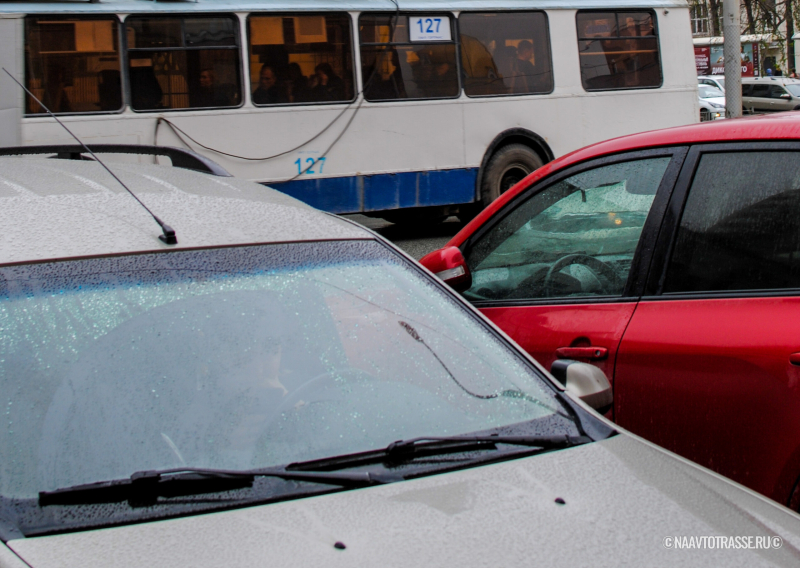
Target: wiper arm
{"type": "Point", "coordinates": [403, 451]}
{"type": "Point", "coordinates": [406, 449]}
{"type": "Point", "coordinates": [143, 488]}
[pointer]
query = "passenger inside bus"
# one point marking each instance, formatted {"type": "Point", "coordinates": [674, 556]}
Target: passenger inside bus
{"type": "Point", "coordinates": [209, 93]}
{"type": "Point", "coordinates": [146, 93]}
{"type": "Point", "coordinates": [297, 84]}
{"type": "Point", "coordinates": [383, 80]}
{"type": "Point", "coordinates": [269, 91]}
{"type": "Point", "coordinates": [309, 59]}
{"type": "Point", "coordinates": [524, 72]}
{"type": "Point", "coordinates": [435, 73]}
{"type": "Point", "coordinates": [326, 85]}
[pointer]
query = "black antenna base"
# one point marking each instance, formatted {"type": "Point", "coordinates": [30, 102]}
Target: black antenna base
{"type": "Point", "coordinates": [169, 235]}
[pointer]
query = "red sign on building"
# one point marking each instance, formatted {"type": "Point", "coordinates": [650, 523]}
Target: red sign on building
{"type": "Point", "coordinates": [710, 60]}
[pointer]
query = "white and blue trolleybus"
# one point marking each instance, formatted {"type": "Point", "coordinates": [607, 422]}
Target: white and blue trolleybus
{"type": "Point", "coordinates": [406, 110]}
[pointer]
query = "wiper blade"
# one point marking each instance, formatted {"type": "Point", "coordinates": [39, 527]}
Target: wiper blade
{"type": "Point", "coordinates": [403, 451]}
{"type": "Point", "coordinates": [143, 488]}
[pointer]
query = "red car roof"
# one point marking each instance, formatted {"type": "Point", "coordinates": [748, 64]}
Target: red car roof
{"type": "Point", "coordinates": [779, 126]}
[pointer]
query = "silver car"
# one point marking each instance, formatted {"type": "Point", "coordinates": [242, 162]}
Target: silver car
{"type": "Point", "coordinates": [712, 103]}
{"type": "Point", "coordinates": [770, 94]}
{"type": "Point", "coordinates": [717, 81]}
{"type": "Point", "coordinates": [270, 385]}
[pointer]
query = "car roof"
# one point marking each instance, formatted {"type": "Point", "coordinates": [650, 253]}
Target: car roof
{"type": "Point", "coordinates": [777, 126]}
{"type": "Point", "coordinates": [52, 209]}
{"type": "Point", "coordinates": [770, 79]}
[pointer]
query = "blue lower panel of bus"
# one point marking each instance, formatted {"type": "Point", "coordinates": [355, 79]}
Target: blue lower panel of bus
{"type": "Point", "coordinates": [384, 191]}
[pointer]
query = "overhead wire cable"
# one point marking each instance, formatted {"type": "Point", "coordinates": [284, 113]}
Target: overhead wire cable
{"type": "Point", "coordinates": [358, 101]}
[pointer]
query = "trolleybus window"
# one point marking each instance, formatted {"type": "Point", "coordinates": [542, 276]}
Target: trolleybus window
{"type": "Point", "coordinates": [300, 59]}
{"type": "Point", "coordinates": [418, 63]}
{"type": "Point", "coordinates": [618, 50]}
{"type": "Point", "coordinates": [507, 53]}
{"type": "Point", "coordinates": [72, 64]}
{"type": "Point", "coordinates": [183, 62]}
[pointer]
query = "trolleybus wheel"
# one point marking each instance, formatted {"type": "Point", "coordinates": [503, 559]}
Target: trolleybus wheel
{"type": "Point", "coordinates": [508, 166]}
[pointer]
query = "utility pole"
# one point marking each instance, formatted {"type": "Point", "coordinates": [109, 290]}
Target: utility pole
{"type": "Point", "coordinates": [789, 40]}
{"type": "Point", "coordinates": [731, 31]}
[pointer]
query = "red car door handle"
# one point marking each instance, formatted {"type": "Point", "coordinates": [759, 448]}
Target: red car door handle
{"type": "Point", "coordinates": [794, 358]}
{"type": "Point", "coordinates": [591, 353]}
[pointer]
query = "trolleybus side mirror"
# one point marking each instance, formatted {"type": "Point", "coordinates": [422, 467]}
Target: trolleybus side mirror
{"type": "Point", "coordinates": [448, 264]}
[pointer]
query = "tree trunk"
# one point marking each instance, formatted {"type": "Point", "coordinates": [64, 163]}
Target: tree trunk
{"type": "Point", "coordinates": [714, 7]}
{"type": "Point", "coordinates": [751, 23]}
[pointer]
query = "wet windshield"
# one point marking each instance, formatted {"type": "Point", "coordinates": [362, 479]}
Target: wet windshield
{"type": "Point", "coordinates": [239, 358]}
{"type": "Point", "coordinates": [709, 92]}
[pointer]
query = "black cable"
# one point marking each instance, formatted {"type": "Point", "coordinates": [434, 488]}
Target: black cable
{"type": "Point", "coordinates": [178, 131]}
{"type": "Point", "coordinates": [413, 333]}
{"type": "Point", "coordinates": [367, 83]}
{"type": "Point", "coordinates": [325, 153]}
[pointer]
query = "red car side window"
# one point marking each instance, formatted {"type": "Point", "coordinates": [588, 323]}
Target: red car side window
{"type": "Point", "coordinates": [575, 238]}
{"type": "Point", "coordinates": [740, 228]}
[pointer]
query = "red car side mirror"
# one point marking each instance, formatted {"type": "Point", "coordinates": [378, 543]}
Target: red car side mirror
{"type": "Point", "coordinates": [448, 264]}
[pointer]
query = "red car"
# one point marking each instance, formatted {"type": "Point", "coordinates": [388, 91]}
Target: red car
{"type": "Point", "coordinates": [671, 260]}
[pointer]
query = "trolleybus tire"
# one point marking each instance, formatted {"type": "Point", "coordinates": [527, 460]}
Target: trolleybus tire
{"type": "Point", "coordinates": [506, 167]}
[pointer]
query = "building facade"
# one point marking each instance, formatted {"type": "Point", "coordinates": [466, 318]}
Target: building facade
{"type": "Point", "coordinates": [768, 42]}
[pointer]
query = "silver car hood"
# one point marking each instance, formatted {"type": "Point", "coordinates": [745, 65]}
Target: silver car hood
{"type": "Point", "coordinates": [622, 496]}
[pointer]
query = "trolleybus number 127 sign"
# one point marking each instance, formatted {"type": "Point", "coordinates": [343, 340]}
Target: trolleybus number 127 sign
{"type": "Point", "coordinates": [430, 29]}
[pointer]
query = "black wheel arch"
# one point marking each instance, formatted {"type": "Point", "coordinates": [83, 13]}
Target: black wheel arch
{"type": "Point", "coordinates": [513, 136]}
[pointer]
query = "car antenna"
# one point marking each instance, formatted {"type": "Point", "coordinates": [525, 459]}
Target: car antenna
{"type": "Point", "coordinates": [169, 234]}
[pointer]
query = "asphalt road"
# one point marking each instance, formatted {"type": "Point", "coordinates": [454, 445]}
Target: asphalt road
{"type": "Point", "coordinates": [415, 240]}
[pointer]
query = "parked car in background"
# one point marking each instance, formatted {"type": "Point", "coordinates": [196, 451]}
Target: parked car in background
{"type": "Point", "coordinates": [271, 362]}
{"type": "Point", "coordinates": [717, 81]}
{"type": "Point", "coordinates": [770, 94]}
{"type": "Point", "coordinates": [712, 103]}
{"type": "Point", "coordinates": [671, 260]}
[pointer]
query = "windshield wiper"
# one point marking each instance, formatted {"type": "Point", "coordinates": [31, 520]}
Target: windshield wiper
{"type": "Point", "coordinates": [403, 451]}
{"type": "Point", "coordinates": [143, 488]}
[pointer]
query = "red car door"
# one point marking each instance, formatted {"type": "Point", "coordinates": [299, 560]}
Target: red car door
{"type": "Point", "coordinates": [558, 268]}
{"type": "Point", "coordinates": [708, 365]}
{"type": "Point", "coordinates": [588, 332]}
